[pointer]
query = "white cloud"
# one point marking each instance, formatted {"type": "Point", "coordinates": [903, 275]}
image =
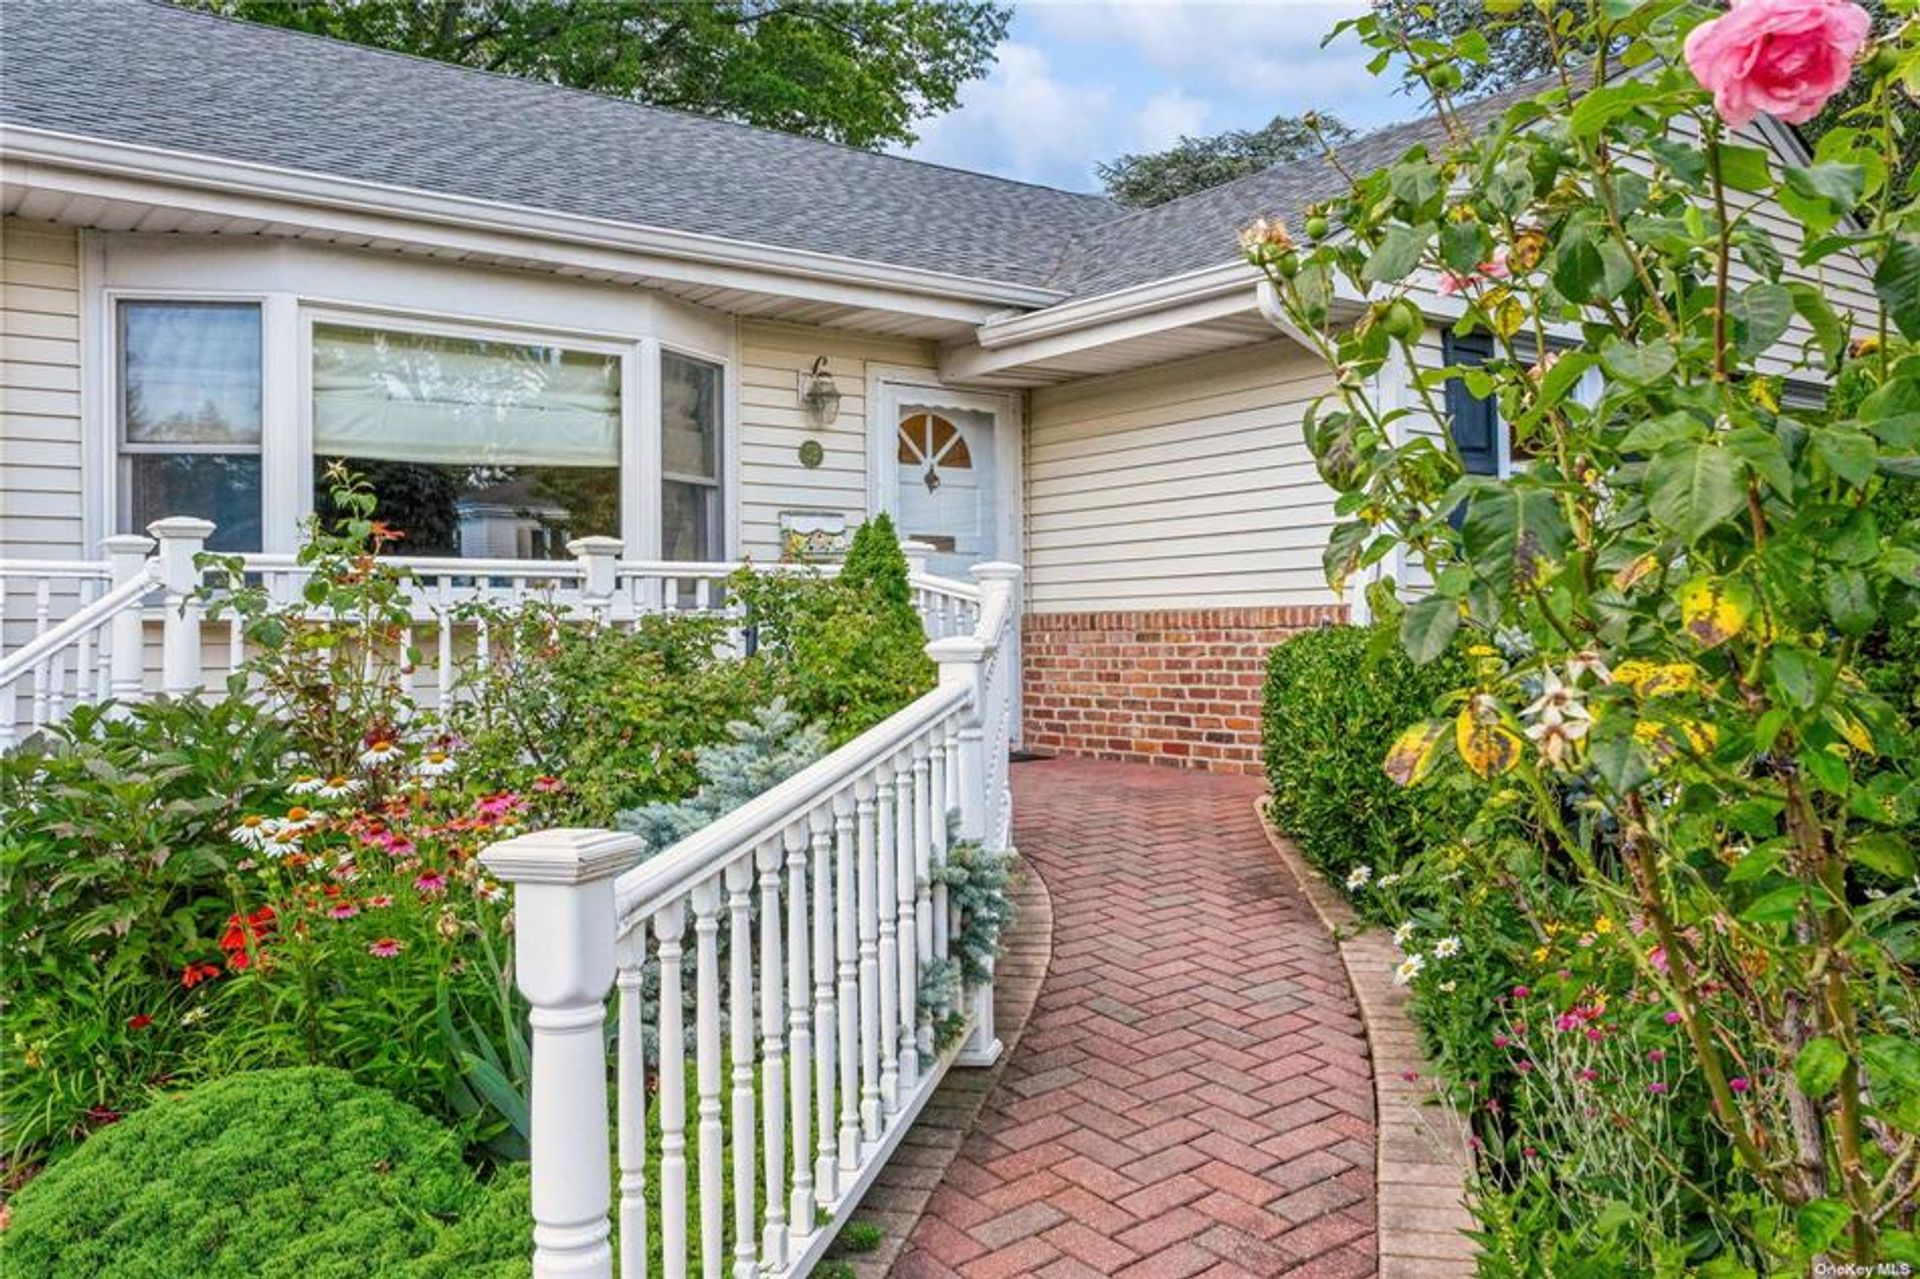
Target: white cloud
{"type": "Point", "coordinates": [1167, 117]}
{"type": "Point", "coordinates": [1021, 121]}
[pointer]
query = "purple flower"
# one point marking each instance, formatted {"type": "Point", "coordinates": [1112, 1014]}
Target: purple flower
{"type": "Point", "coordinates": [1739, 1083]}
{"type": "Point", "coordinates": [1657, 1056]}
{"type": "Point", "coordinates": [1521, 992]}
{"type": "Point", "coordinates": [1673, 1019]}
{"type": "Point", "coordinates": [1656, 1087]}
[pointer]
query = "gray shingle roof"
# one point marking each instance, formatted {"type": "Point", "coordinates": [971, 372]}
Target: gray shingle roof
{"type": "Point", "coordinates": [152, 74]}
{"type": "Point", "coordinates": [1202, 230]}
{"type": "Point", "coordinates": [145, 72]}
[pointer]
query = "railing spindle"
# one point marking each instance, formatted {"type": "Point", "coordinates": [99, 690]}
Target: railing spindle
{"type": "Point", "coordinates": [885, 1037]}
{"type": "Point", "coordinates": [907, 1047]}
{"type": "Point", "coordinates": [740, 1012]}
{"type": "Point", "coordinates": [773, 1050]}
{"type": "Point", "coordinates": [799, 1029]}
{"type": "Point", "coordinates": [706, 1055]}
{"type": "Point", "coordinates": [867, 854]}
{"type": "Point", "coordinates": [668, 924]}
{"type": "Point", "coordinates": [847, 996]}
{"type": "Point", "coordinates": [631, 1106]}
{"type": "Point", "coordinates": [826, 1165]}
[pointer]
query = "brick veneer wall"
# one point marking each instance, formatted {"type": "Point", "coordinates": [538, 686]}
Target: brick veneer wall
{"type": "Point", "coordinates": [1178, 687]}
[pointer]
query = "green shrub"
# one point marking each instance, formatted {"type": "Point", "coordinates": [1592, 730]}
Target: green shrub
{"type": "Point", "coordinates": [275, 1173]}
{"type": "Point", "coordinates": [848, 651]}
{"type": "Point", "coordinates": [113, 863]}
{"type": "Point", "coordinates": [1335, 700]}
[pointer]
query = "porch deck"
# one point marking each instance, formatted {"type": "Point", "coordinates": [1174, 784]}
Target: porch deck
{"type": "Point", "coordinates": [1192, 1092]}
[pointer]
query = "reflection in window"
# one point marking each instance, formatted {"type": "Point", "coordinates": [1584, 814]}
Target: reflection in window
{"type": "Point", "coordinates": [190, 417]}
{"type": "Point", "coordinates": [474, 448]}
{"type": "Point", "coordinates": [690, 459]}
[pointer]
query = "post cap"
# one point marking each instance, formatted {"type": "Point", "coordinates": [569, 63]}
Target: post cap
{"type": "Point", "coordinates": [996, 571]}
{"type": "Point", "coordinates": [566, 855]}
{"type": "Point", "coordinates": [127, 544]}
{"type": "Point", "coordinates": [958, 648]}
{"type": "Point", "coordinates": [182, 526]}
{"type": "Point", "coordinates": [597, 545]}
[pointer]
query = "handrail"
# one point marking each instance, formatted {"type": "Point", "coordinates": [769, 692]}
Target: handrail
{"type": "Point", "coordinates": [673, 873]}
{"type": "Point", "coordinates": [36, 650]}
{"type": "Point", "coordinates": [79, 570]}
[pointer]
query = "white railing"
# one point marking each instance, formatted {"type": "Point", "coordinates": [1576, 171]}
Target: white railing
{"type": "Point", "coordinates": [75, 633]}
{"type": "Point", "coordinates": [817, 911]}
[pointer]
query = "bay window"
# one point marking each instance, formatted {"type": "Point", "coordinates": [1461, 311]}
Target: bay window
{"type": "Point", "coordinates": [190, 416]}
{"type": "Point", "coordinates": [478, 443]}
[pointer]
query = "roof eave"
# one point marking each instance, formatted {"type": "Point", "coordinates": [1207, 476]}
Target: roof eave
{"type": "Point", "coordinates": [35, 157]}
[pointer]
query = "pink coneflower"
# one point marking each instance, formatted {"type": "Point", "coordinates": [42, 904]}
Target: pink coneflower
{"type": "Point", "coordinates": [1739, 1083]}
{"type": "Point", "coordinates": [548, 785]}
{"type": "Point", "coordinates": [1595, 1034]}
{"type": "Point", "coordinates": [1566, 1022]}
{"type": "Point", "coordinates": [1673, 1019]}
{"type": "Point", "coordinates": [1658, 958]}
{"type": "Point", "coordinates": [379, 902]}
{"type": "Point", "coordinates": [430, 884]}
{"type": "Point", "coordinates": [386, 948]}
{"type": "Point", "coordinates": [345, 910]}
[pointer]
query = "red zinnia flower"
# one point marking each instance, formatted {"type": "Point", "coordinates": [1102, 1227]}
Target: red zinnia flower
{"type": "Point", "coordinates": [139, 1021]}
{"type": "Point", "coordinates": [193, 974]}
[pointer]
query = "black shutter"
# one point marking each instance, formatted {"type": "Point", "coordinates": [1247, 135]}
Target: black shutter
{"type": "Point", "coordinates": [1476, 429]}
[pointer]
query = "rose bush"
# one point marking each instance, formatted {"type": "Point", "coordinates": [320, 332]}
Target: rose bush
{"type": "Point", "coordinates": [1671, 597]}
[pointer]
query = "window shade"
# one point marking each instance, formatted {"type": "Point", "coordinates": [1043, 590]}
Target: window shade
{"type": "Point", "coordinates": [414, 397]}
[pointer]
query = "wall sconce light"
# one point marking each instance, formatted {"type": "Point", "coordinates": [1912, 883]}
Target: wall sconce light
{"type": "Point", "coordinates": [820, 398]}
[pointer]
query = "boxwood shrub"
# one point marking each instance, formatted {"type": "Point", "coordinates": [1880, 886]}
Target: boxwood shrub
{"type": "Point", "coordinates": [1336, 698]}
{"type": "Point", "coordinates": [298, 1172]}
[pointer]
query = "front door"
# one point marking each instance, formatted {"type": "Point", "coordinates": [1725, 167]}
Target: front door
{"type": "Point", "coordinates": [945, 489]}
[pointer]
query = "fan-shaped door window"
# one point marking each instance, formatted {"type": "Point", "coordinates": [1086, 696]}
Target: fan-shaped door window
{"type": "Point", "coordinates": [944, 494]}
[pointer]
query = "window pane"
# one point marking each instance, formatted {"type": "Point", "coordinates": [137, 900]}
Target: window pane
{"type": "Point", "coordinates": [690, 521]}
{"type": "Point", "coordinates": [222, 487]}
{"type": "Point", "coordinates": [190, 373]}
{"type": "Point", "coordinates": [473, 448]}
{"type": "Point", "coordinates": [411, 397]}
{"type": "Point", "coordinates": [689, 416]}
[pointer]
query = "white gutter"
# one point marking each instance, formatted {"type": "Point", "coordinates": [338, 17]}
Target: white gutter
{"type": "Point", "coordinates": [35, 158]}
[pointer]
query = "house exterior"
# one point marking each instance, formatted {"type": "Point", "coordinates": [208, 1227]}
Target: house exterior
{"type": "Point", "coordinates": [232, 254]}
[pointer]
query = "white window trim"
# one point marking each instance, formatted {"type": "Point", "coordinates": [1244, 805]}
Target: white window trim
{"type": "Point", "coordinates": [287, 316]}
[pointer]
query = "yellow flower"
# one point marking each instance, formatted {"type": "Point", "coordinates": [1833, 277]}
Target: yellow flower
{"type": "Point", "coordinates": [1541, 954]}
{"type": "Point", "coordinates": [1603, 925]}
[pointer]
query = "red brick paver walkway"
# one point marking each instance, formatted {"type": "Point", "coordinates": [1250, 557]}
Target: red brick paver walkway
{"type": "Point", "coordinates": [1191, 1096]}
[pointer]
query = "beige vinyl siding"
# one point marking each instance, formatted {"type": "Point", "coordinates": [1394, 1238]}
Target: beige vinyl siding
{"type": "Point", "coordinates": [773, 359]}
{"type": "Point", "coordinates": [40, 444]}
{"type": "Point", "coordinates": [1188, 485]}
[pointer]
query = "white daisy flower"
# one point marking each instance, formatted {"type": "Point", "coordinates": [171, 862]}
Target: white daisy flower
{"type": "Point", "coordinates": [380, 753]}
{"type": "Point", "coordinates": [1446, 948]}
{"type": "Point", "coordinates": [1388, 881]}
{"type": "Point", "coordinates": [435, 764]}
{"type": "Point", "coordinates": [490, 892]}
{"type": "Point", "coordinates": [1404, 934]}
{"type": "Point", "coordinates": [298, 820]}
{"type": "Point", "coordinates": [1409, 968]}
{"type": "Point", "coordinates": [307, 784]}
{"type": "Point", "coordinates": [337, 788]}
{"type": "Point", "coordinates": [1446, 987]}
{"type": "Point", "coordinates": [1357, 878]}
{"type": "Point", "coordinates": [252, 832]}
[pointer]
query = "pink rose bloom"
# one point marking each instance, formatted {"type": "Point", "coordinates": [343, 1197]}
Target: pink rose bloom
{"type": "Point", "coordinates": [1784, 57]}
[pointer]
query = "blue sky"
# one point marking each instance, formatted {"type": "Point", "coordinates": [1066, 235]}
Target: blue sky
{"type": "Point", "coordinates": [1080, 81]}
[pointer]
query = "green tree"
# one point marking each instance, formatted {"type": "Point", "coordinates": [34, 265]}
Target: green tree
{"type": "Point", "coordinates": [1145, 179]}
{"type": "Point", "coordinates": [853, 71]}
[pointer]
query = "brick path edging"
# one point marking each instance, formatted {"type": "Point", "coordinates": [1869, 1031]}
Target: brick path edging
{"type": "Point", "coordinates": [899, 1195]}
{"type": "Point", "coordinates": [1423, 1157]}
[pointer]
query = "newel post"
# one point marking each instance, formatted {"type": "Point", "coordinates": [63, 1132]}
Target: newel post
{"type": "Point", "coordinates": [999, 583]}
{"type": "Point", "coordinates": [916, 553]}
{"type": "Point", "coordinates": [563, 955]}
{"type": "Point", "coordinates": [962, 660]}
{"type": "Point", "coordinates": [599, 558]}
{"type": "Point", "coordinates": [182, 538]}
{"type": "Point", "coordinates": [126, 560]}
